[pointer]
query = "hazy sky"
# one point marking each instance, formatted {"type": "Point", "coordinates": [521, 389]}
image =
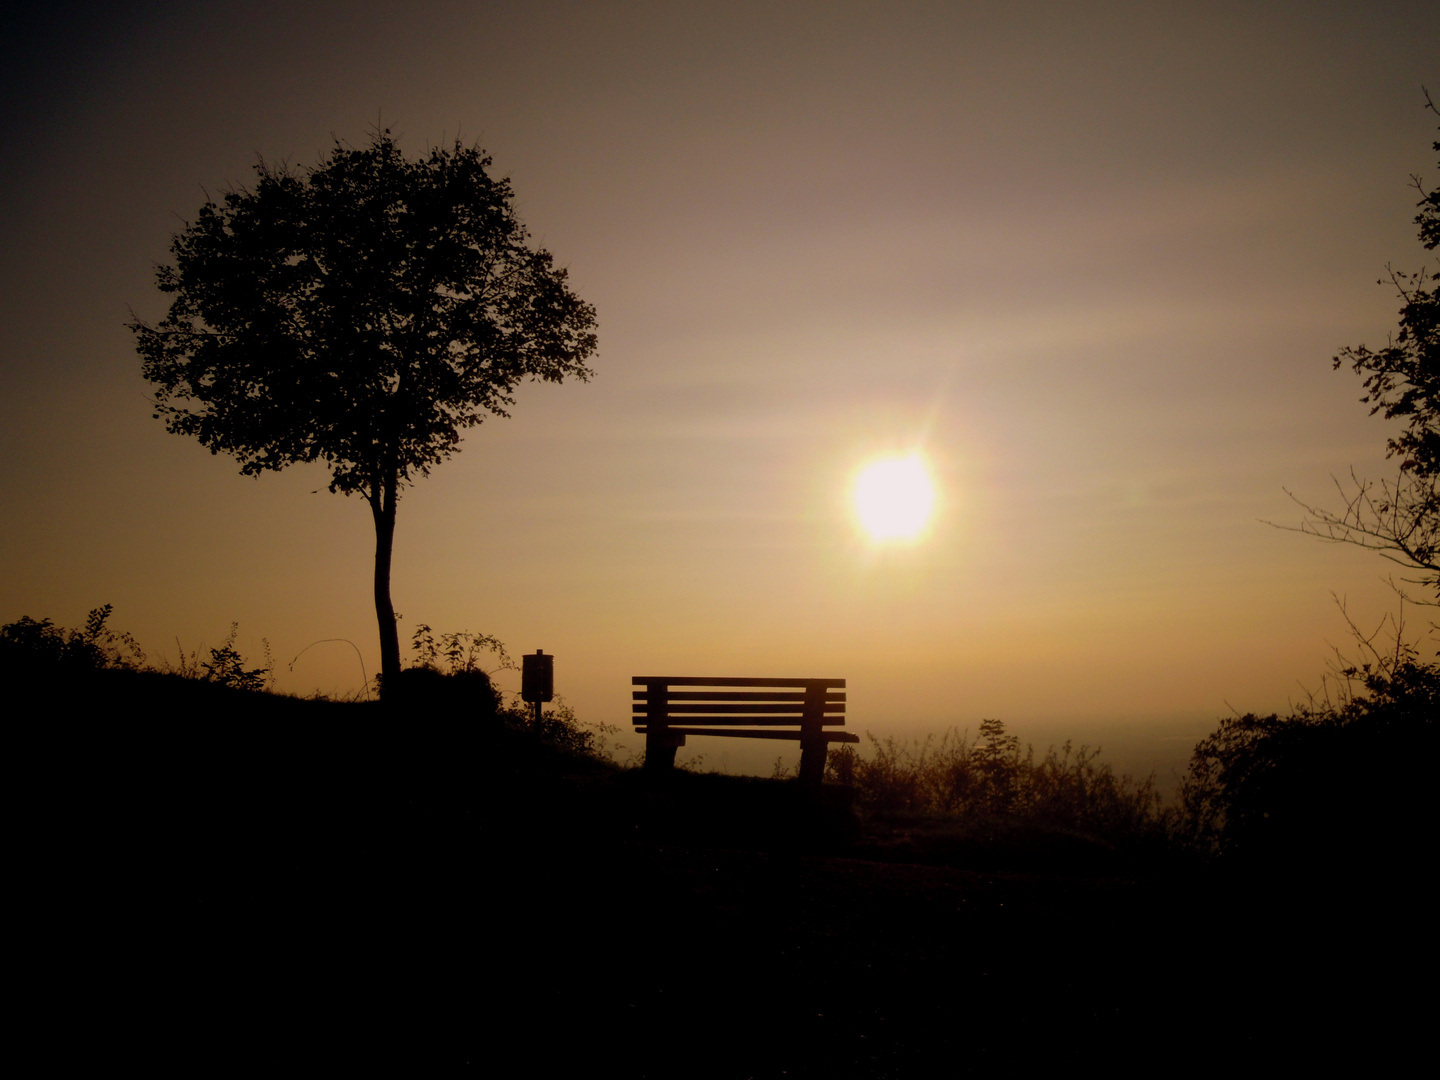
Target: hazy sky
{"type": "Point", "coordinates": [1092, 259]}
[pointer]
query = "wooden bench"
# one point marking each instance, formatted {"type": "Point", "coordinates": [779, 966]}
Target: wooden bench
{"type": "Point", "coordinates": [668, 709]}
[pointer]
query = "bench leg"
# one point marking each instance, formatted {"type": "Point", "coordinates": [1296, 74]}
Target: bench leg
{"type": "Point", "coordinates": [660, 752]}
{"type": "Point", "coordinates": [812, 762]}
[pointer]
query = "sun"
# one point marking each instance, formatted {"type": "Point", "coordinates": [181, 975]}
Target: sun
{"type": "Point", "coordinates": [894, 498]}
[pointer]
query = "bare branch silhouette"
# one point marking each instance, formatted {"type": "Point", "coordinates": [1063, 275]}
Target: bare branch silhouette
{"type": "Point", "coordinates": [1399, 519]}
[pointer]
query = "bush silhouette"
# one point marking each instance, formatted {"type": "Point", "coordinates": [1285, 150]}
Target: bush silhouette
{"type": "Point", "coordinates": [42, 649]}
{"type": "Point", "coordinates": [460, 694]}
{"type": "Point", "coordinates": [1328, 784]}
{"type": "Point", "coordinates": [992, 780]}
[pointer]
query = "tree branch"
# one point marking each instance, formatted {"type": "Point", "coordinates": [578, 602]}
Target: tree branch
{"type": "Point", "coordinates": [1399, 521]}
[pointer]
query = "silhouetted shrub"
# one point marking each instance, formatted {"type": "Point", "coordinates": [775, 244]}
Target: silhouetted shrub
{"type": "Point", "coordinates": [992, 778]}
{"type": "Point", "coordinates": [1333, 783]}
{"type": "Point", "coordinates": [41, 652]}
{"type": "Point", "coordinates": [559, 727]}
{"type": "Point", "coordinates": [465, 695]}
{"type": "Point", "coordinates": [448, 675]}
{"type": "Point", "coordinates": [42, 649]}
{"type": "Point", "coordinates": [458, 653]}
{"type": "Point", "coordinates": [227, 667]}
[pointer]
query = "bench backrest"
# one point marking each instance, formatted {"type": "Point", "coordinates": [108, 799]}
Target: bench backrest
{"type": "Point", "coordinates": [777, 706]}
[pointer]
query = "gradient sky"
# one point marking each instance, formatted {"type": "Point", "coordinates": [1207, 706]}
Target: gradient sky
{"type": "Point", "coordinates": [1092, 259]}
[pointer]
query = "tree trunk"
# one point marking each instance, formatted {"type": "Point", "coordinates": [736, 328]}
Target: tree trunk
{"type": "Point", "coordinates": [382, 507]}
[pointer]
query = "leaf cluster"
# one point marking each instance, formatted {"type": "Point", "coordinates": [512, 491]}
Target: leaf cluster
{"type": "Point", "coordinates": [1399, 518]}
{"type": "Point", "coordinates": [363, 313]}
{"type": "Point", "coordinates": [1402, 380]}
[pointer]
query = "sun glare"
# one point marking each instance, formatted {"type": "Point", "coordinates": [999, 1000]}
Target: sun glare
{"type": "Point", "coordinates": [894, 498]}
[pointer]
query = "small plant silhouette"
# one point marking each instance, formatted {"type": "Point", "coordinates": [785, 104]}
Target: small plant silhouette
{"type": "Point", "coordinates": [227, 667]}
{"type": "Point", "coordinates": [458, 652]}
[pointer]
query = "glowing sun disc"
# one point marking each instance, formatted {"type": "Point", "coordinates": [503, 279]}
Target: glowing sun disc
{"type": "Point", "coordinates": [894, 498]}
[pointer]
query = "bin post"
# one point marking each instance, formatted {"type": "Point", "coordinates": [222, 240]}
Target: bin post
{"type": "Point", "coordinates": [537, 679]}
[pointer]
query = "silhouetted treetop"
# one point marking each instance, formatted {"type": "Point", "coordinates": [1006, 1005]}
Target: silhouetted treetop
{"type": "Point", "coordinates": [362, 313]}
{"type": "Point", "coordinates": [1403, 379]}
{"type": "Point", "coordinates": [1400, 518]}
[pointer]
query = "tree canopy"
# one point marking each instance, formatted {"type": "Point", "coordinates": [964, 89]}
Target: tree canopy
{"type": "Point", "coordinates": [363, 313]}
{"type": "Point", "coordinates": [1403, 379]}
{"type": "Point", "coordinates": [1400, 518]}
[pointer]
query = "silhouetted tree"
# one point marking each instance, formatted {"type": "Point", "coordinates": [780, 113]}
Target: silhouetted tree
{"type": "Point", "coordinates": [1400, 519]}
{"type": "Point", "coordinates": [361, 313]}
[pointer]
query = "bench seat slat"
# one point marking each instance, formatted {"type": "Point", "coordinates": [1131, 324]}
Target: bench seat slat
{"type": "Point", "coordinates": [782, 709]}
{"type": "Point", "coordinates": [793, 736]}
{"type": "Point", "coordinates": [646, 680]}
{"type": "Point", "coordinates": [731, 721]}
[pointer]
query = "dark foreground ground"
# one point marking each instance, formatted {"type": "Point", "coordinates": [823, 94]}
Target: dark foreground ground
{"type": "Point", "coordinates": [208, 886]}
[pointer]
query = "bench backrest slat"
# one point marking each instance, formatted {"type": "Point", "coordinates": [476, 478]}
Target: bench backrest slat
{"type": "Point", "coordinates": [750, 707]}
{"type": "Point", "coordinates": [733, 696]}
{"type": "Point", "coordinates": [806, 704]}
